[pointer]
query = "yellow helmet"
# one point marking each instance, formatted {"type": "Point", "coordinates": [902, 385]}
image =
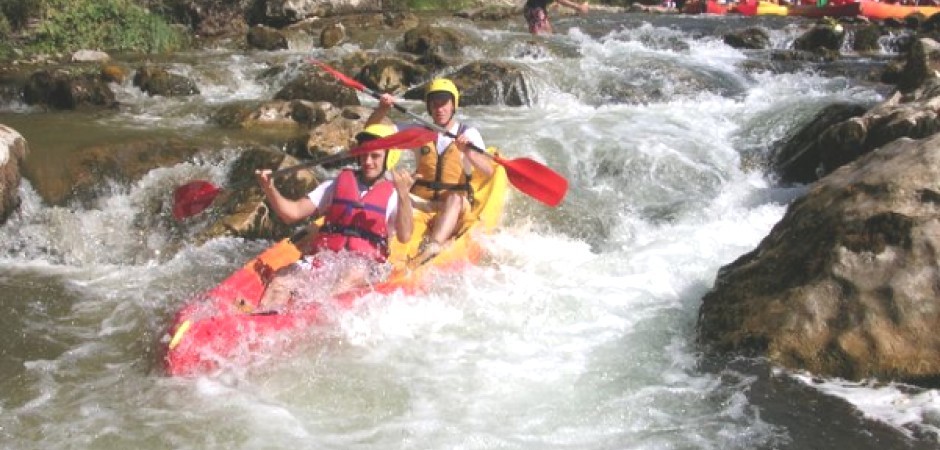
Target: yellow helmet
{"type": "Point", "coordinates": [380, 130]}
{"type": "Point", "coordinates": [443, 85]}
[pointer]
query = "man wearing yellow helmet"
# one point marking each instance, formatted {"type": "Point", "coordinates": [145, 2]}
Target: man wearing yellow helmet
{"type": "Point", "coordinates": [444, 166]}
{"type": "Point", "coordinates": [362, 208]}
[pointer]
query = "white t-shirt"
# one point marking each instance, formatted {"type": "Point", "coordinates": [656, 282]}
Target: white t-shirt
{"type": "Point", "coordinates": [322, 198]}
{"type": "Point", "coordinates": [444, 141]}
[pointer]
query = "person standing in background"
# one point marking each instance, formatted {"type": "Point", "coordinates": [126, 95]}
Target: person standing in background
{"type": "Point", "coordinates": [536, 14]}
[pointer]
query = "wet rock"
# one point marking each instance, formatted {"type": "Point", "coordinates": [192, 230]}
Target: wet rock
{"type": "Point", "coordinates": [243, 212]}
{"type": "Point", "coordinates": [332, 35]}
{"type": "Point", "coordinates": [798, 160]}
{"type": "Point", "coordinates": [491, 13]}
{"type": "Point", "coordinates": [435, 45]}
{"type": "Point", "coordinates": [314, 86]}
{"type": "Point", "coordinates": [846, 283]}
{"type": "Point", "coordinates": [919, 63]}
{"type": "Point", "coordinates": [13, 152]}
{"type": "Point", "coordinates": [265, 38]}
{"type": "Point", "coordinates": [82, 173]}
{"type": "Point", "coordinates": [827, 144]}
{"type": "Point", "coordinates": [113, 73]}
{"type": "Point", "coordinates": [820, 38]}
{"type": "Point", "coordinates": [751, 38]}
{"type": "Point", "coordinates": [486, 83]}
{"type": "Point", "coordinates": [336, 135]}
{"type": "Point", "coordinates": [866, 39]}
{"type": "Point", "coordinates": [159, 81]}
{"type": "Point", "coordinates": [391, 74]}
{"type": "Point", "coordinates": [90, 56]}
{"type": "Point", "coordinates": [63, 90]}
{"type": "Point", "coordinates": [931, 24]}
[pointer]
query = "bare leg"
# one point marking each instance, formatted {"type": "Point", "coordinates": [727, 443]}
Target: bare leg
{"type": "Point", "coordinates": [446, 221]}
{"type": "Point", "coordinates": [354, 277]}
{"type": "Point", "coordinates": [279, 291]}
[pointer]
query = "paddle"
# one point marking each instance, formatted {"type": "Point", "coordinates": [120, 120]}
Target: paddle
{"type": "Point", "coordinates": [526, 174]}
{"type": "Point", "coordinates": [194, 197]}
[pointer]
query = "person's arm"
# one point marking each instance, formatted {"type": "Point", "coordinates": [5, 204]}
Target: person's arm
{"type": "Point", "coordinates": [482, 163]}
{"type": "Point", "coordinates": [386, 102]}
{"type": "Point", "coordinates": [404, 217]}
{"type": "Point", "coordinates": [289, 211]}
{"type": "Point", "coordinates": [581, 8]}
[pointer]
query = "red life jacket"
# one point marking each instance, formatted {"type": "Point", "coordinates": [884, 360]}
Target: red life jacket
{"type": "Point", "coordinates": [356, 223]}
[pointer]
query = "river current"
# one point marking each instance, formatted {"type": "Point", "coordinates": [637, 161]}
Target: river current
{"type": "Point", "coordinates": [578, 332]}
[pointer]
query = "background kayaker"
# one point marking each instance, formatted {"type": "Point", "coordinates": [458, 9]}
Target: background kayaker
{"type": "Point", "coordinates": [536, 14]}
{"type": "Point", "coordinates": [362, 210]}
{"type": "Point", "coordinates": [444, 167]}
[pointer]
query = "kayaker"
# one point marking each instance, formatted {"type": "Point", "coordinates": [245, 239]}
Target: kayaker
{"type": "Point", "coordinates": [536, 14]}
{"type": "Point", "coordinates": [444, 167]}
{"type": "Point", "coordinates": [362, 209]}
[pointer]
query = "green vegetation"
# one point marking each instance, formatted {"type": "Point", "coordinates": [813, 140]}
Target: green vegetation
{"type": "Point", "coordinates": [67, 25]}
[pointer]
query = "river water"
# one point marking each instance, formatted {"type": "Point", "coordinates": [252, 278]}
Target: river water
{"type": "Point", "coordinates": [577, 333]}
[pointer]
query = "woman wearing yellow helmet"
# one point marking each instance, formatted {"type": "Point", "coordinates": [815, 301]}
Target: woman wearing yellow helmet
{"type": "Point", "coordinates": [444, 166]}
{"type": "Point", "coordinates": [362, 209]}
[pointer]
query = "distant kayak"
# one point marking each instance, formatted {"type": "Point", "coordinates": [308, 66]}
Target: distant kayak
{"type": "Point", "coordinates": [760, 8]}
{"type": "Point", "coordinates": [881, 11]}
{"type": "Point", "coordinates": [867, 8]}
{"type": "Point", "coordinates": [705, 7]}
{"type": "Point", "coordinates": [224, 321]}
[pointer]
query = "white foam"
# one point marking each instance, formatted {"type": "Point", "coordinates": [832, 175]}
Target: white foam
{"type": "Point", "coordinates": [908, 409]}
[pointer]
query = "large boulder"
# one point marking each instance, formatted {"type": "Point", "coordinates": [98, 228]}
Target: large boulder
{"type": "Point", "coordinates": [313, 85]}
{"type": "Point", "coordinates": [486, 83]}
{"type": "Point", "coordinates": [266, 38]}
{"type": "Point", "coordinates": [61, 89]}
{"type": "Point", "coordinates": [824, 145]}
{"type": "Point", "coordinates": [846, 283]}
{"type": "Point", "coordinates": [798, 159]}
{"type": "Point", "coordinates": [160, 81]}
{"type": "Point", "coordinates": [391, 74]}
{"type": "Point", "coordinates": [243, 212]}
{"type": "Point", "coordinates": [13, 151]}
{"type": "Point", "coordinates": [80, 174]}
{"type": "Point", "coordinates": [821, 38]}
{"type": "Point", "coordinates": [436, 46]}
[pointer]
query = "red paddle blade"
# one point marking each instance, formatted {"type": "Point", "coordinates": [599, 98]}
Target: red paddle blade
{"type": "Point", "coordinates": [405, 139]}
{"type": "Point", "coordinates": [535, 180]}
{"type": "Point", "coordinates": [339, 75]}
{"type": "Point", "coordinates": [192, 198]}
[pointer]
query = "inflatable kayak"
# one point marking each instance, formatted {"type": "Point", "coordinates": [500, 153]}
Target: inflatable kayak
{"type": "Point", "coordinates": [224, 321]}
{"type": "Point", "coordinates": [760, 8]}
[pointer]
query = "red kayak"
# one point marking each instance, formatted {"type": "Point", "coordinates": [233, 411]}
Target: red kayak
{"type": "Point", "coordinates": [705, 7]}
{"type": "Point", "coordinates": [224, 322]}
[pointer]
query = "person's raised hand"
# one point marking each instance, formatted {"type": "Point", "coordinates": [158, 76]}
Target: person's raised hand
{"type": "Point", "coordinates": [387, 100]}
{"type": "Point", "coordinates": [264, 178]}
{"type": "Point", "coordinates": [403, 181]}
{"type": "Point", "coordinates": [463, 143]}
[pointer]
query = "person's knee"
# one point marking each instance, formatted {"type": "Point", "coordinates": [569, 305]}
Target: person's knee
{"type": "Point", "coordinates": [453, 202]}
